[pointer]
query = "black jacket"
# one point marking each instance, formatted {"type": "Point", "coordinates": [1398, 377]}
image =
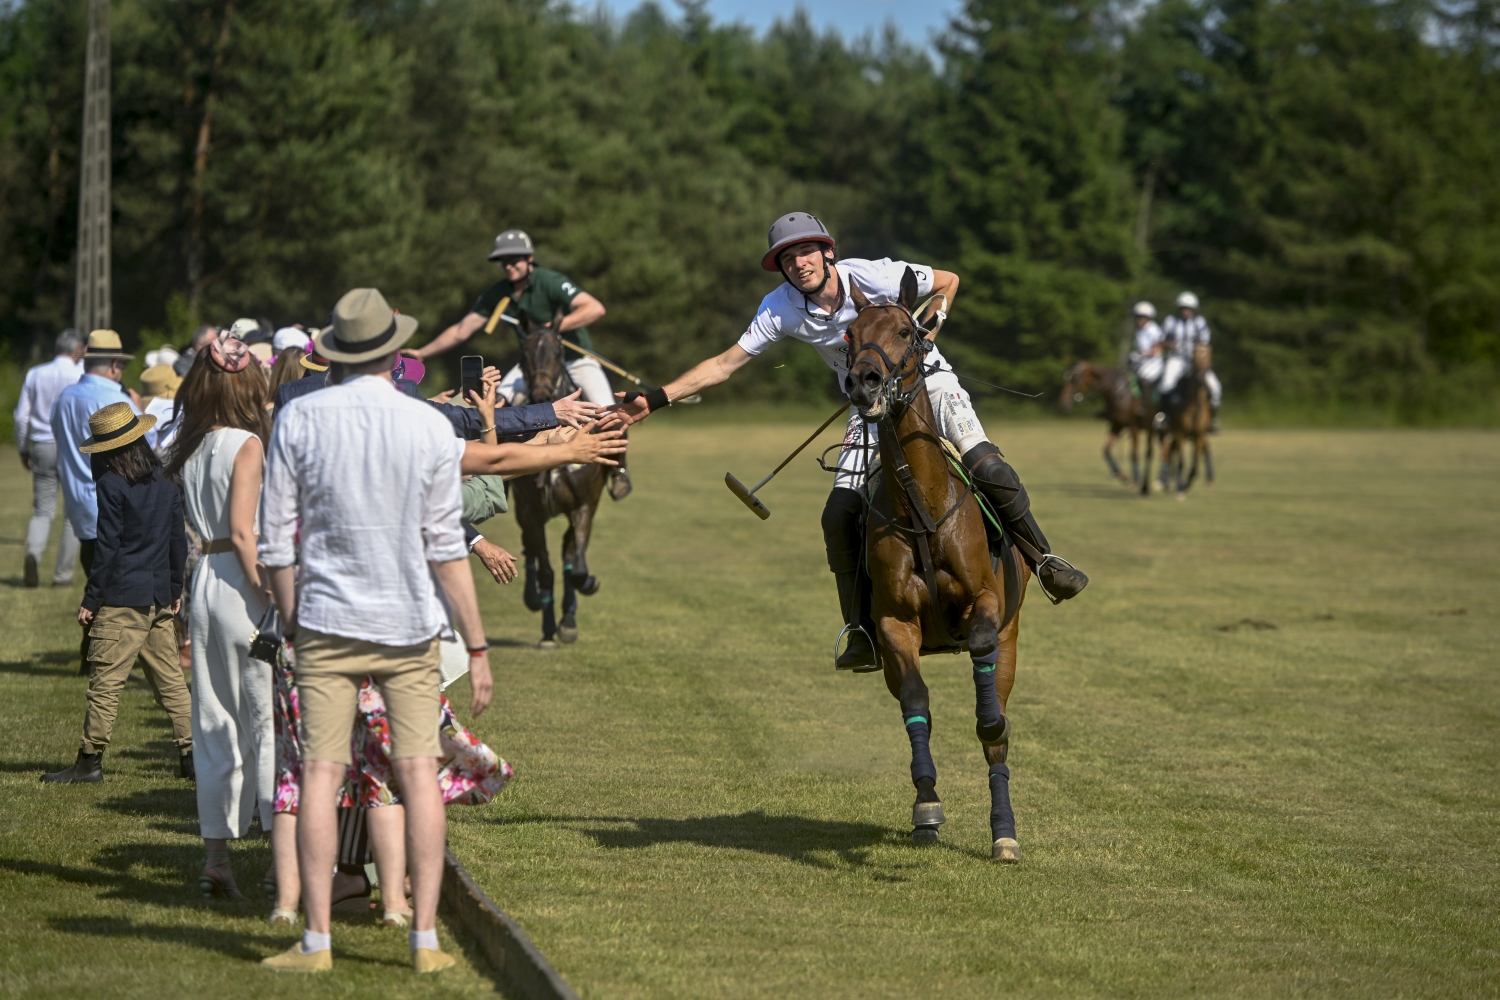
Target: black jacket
{"type": "Point", "coordinates": [141, 550]}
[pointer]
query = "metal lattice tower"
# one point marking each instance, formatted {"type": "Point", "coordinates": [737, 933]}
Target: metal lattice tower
{"type": "Point", "coordinates": [92, 305]}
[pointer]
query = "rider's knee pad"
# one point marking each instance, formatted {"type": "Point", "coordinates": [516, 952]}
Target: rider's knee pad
{"type": "Point", "coordinates": [843, 529]}
{"type": "Point", "coordinates": [999, 482]}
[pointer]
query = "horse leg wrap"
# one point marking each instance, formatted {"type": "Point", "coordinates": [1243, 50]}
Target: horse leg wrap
{"type": "Point", "coordinates": [991, 726]}
{"type": "Point", "coordinates": [1114, 467]}
{"type": "Point", "coordinates": [1002, 817]}
{"type": "Point", "coordinates": [919, 731]}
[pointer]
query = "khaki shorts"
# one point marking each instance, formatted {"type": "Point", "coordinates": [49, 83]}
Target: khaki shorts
{"type": "Point", "coordinates": [329, 671]}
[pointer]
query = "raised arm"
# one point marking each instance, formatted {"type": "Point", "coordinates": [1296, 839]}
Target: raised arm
{"type": "Point", "coordinates": [703, 375]}
{"type": "Point", "coordinates": [584, 310]}
{"type": "Point", "coordinates": [944, 283]}
{"type": "Point", "coordinates": [511, 460]}
{"type": "Point", "coordinates": [451, 337]}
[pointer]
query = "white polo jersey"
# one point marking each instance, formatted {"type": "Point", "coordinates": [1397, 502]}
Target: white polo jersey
{"type": "Point", "coordinates": [1147, 336]}
{"type": "Point", "coordinates": [1185, 334]}
{"type": "Point", "coordinates": [786, 312]}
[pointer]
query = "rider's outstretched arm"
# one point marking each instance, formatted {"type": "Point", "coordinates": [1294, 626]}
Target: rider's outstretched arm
{"type": "Point", "coordinates": [451, 337]}
{"type": "Point", "coordinates": [701, 376]}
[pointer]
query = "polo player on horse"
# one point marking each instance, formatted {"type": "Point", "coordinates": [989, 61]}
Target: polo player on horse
{"type": "Point", "coordinates": [815, 306]}
{"type": "Point", "coordinates": [1181, 334]}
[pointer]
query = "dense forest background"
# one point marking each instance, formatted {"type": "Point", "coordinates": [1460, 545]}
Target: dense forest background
{"type": "Point", "coordinates": [1321, 172]}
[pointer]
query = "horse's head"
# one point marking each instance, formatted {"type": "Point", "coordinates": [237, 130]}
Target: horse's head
{"type": "Point", "coordinates": [543, 363]}
{"type": "Point", "coordinates": [886, 348]}
{"type": "Point", "coordinates": [1078, 382]}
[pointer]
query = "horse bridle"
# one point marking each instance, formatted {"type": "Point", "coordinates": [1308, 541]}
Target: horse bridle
{"type": "Point", "coordinates": [917, 348]}
{"type": "Point", "coordinates": [558, 381]}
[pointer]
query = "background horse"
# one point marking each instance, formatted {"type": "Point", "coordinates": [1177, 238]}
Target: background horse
{"type": "Point", "coordinates": [571, 492]}
{"type": "Point", "coordinates": [1123, 409]}
{"type": "Point", "coordinates": [933, 575]}
{"type": "Point", "coordinates": [1188, 420]}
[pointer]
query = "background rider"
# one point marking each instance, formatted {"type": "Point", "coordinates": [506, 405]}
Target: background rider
{"type": "Point", "coordinates": [1184, 332]}
{"type": "Point", "coordinates": [533, 295]}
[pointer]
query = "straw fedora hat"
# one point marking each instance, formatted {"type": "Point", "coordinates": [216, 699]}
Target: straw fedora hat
{"type": "Point", "coordinates": [363, 327]}
{"type": "Point", "coordinates": [160, 381]}
{"type": "Point", "coordinates": [115, 426]}
{"type": "Point", "coordinates": [105, 344]}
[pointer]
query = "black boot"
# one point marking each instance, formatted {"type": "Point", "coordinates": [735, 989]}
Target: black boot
{"type": "Point", "coordinates": [860, 655]}
{"type": "Point", "coordinates": [994, 477]}
{"type": "Point", "coordinates": [185, 767]}
{"type": "Point", "coordinates": [87, 768]}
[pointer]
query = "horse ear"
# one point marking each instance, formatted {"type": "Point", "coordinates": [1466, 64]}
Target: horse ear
{"type": "Point", "coordinates": [857, 297]}
{"type": "Point", "coordinates": [909, 290]}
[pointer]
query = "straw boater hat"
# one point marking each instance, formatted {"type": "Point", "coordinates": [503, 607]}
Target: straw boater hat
{"type": "Point", "coordinates": [363, 327]}
{"type": "Point", "coordinates": [314, 362]}
{"type": "Point", "coordinates": [115, 426]}
{"type": "Point", "coordinates": [160, 381]}
{"type": "Point", "coordinates": [105, 344]}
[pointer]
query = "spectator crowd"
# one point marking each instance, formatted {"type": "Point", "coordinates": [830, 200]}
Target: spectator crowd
{"type": "Point", "coordinates": [275, 526]}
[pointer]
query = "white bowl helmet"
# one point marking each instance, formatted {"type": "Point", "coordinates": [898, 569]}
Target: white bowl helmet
{"type": "Point", "coordinates": [1187, 300]}
{"type": "Point", "coordinates": [1145, 309]}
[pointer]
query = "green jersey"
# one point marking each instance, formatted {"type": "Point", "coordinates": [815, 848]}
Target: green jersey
{"type": "Point", "coordinates": [546, 293]}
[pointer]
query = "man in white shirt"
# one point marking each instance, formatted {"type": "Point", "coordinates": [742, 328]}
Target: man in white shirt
{"type": "Point", "coordinates": [373, 477]}
{"type": "Point", "coordinates": [814, 306]}
{"type": "Point", "coordinates": [1181, 334]}
{"type": "Point", "coordinates": [38, 445]}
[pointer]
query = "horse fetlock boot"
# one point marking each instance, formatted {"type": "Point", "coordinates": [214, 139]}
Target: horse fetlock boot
{"type": "Point", "coordinates": [87, 769]}
{"type": "Point", "coordinates": [860, 655]}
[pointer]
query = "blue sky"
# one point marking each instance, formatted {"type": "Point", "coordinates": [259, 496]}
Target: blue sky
{"type": "Point", "coordinates": [918, 20]}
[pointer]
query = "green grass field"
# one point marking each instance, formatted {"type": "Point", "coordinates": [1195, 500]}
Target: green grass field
{"type": "Point", "coordinates": [703, 808]}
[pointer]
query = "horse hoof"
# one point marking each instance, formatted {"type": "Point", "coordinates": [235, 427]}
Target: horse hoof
{"type": "Point", "coordinates": [928, 814]}
{"type": "Point", "coordinates": [567, 633]}
{"type": "Point", "coordinates": [1006, 851]}
{"type": "Point", "coordinates": [924, 836]}
{"type": "Point", "coordinates": [546, 644]}
{"type": "Point", "coordinates": [589, 587]}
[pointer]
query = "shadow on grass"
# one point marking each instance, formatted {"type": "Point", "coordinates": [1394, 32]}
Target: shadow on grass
{"type": "Point", "coordinates": [38, 768]}
{"type": "Point", "coordinates": [235, 944]}
{"type": "Point", "coordinates": [796, 838]}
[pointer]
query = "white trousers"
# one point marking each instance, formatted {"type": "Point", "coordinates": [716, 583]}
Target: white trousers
{"type": "Point", "coordinates": [585, 373]}
{"type": "Point", "coordinates": [956, 421]}
{"type": "Point", "coordinates": [1147, 369]}
{"type": "Point", "coordinates": [1176, 367]}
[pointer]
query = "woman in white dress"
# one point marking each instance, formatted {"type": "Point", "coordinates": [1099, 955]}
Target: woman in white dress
{"type": "Point", "coordinates": [220, 455]}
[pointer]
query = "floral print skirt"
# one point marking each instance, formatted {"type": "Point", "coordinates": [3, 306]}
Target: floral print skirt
{"type": "Point", "coordinates": [469, 772]}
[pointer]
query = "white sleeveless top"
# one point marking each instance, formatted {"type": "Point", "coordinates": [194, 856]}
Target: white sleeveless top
{"type": "Point", "coordinates": [205, 483]}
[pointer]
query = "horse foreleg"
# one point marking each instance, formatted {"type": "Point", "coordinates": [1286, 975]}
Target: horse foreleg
{"type": "Point", "coordinates": [1208, 462]}
{"type": "Point", "coordinates": [992, 693]}
{"type": "Point", "coordinates": [1135, 454]}
{"type": "Point", "coordinates": [1146, 468]}
{"type": "Point", "coordinates": [539, 567]}
{"type": "Point", "coordinates": [901, 647]}
{"type": "Point", "coordinates": [567, 628]}
{"type": "Point", "coordinates": [577, 564]}
{"type": "Point", "coordinates": [1109, 454]}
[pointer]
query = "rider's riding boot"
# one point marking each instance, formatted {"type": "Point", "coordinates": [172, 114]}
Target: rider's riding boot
{"type": "Point", "coordinates": [994, 477]}
{"type": "Point", "coordinates": [619, 481]}
{"type": "Point", "coordinates": [844, 536]}
{"type": "Point", "coordinates": [859, 655]}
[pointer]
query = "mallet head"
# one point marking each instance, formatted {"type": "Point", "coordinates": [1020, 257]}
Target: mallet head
{"type": "Point", "coordinates": [738, 489]}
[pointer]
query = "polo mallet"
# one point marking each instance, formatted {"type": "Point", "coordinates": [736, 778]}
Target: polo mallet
{"type": "Point", "coordinates": [748, 497]}
{"type": "Point", "coordinates": [684, 401]}
{"type": "Point", "coordinates": [495, 316]}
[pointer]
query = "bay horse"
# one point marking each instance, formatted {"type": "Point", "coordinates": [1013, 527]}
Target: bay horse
{"type": "Point", "coordinates": [934, 580]}
{"type": "Point", "coordinates": [1123, 409]}
{"type": "Point", "coordinates": [1188, 418]}
{"type": "Point", "coordinates": [571, 492]}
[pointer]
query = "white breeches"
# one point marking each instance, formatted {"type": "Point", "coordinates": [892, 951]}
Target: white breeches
{"type": "Point", "coordinates": [1176, 367]}
{"type": "Point", "coordinates": [585, 373]}
{"type": "Point", "coordinates": [1147, 369]}
{"type": "Point", "coordinates": [956, 421]}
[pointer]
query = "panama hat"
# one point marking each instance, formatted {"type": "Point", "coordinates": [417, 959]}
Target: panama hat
{"type": "Point", "coordinates": [160, 381]}
{"type": "Point", "coordinates": [363, 327]}
{"type": "Point", "coordinates": [105, 344]}
{"type": "Point", "coordinates": [115, 426]}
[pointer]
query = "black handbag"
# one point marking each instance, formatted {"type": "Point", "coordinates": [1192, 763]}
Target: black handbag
{"type": "Point", "coordinates": [265, 641]}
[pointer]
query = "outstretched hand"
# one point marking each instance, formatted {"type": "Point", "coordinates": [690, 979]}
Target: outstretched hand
{"type": "Point", "coordinates": [634, 411]}
{"type": "Point", "coordinates": [590, 446]}
{"type": "Point", "coordinates": [572, 411]}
